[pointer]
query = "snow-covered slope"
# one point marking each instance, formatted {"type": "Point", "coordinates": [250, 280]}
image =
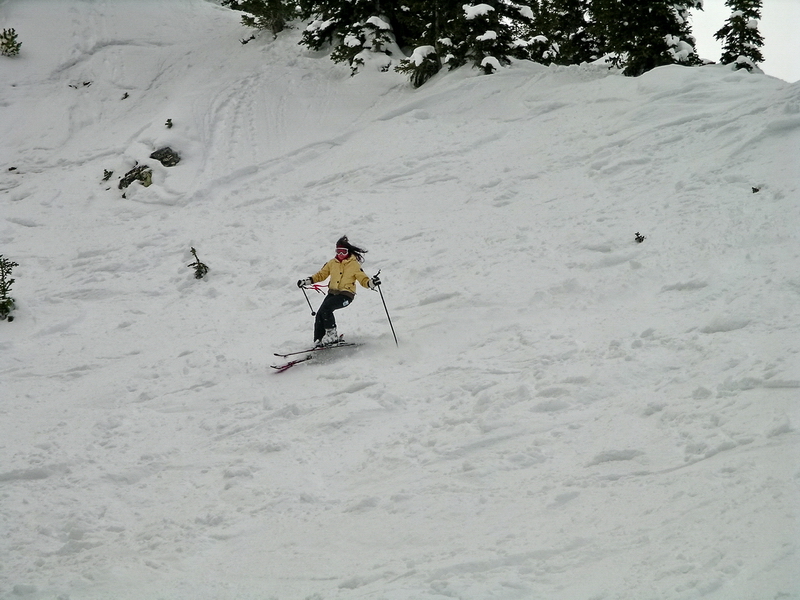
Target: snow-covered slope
{"type": "Point", "coordinates": [569, 414]}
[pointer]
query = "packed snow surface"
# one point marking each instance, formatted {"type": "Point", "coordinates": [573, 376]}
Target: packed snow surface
{"type": "Point", "coordinates": [569, 414]}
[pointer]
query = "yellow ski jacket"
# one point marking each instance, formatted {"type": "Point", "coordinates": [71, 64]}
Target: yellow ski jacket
{"type": "Point", "coordinates": [343, 276]}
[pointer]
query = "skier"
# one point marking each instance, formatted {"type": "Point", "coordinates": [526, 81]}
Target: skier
{"type": "Point", "coordinates": [344, 270]}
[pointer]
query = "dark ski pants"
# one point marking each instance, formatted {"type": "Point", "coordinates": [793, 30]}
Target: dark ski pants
{"type": "Point", "coordinates": [325, 319]}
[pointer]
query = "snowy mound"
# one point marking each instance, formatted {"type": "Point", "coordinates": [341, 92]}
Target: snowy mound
{"type": "Point", "coordinates": [570, 413]}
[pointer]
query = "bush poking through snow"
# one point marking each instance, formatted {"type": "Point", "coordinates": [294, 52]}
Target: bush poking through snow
{"type": "Point", "coordinates": [141, 173]}
{"type": "Point", "coordinates": [6, 306]}
{"type": "Point", "coordinates": [6, 302]}
{"type": "Point", "coordinates": [640, 238]}
{"type": "Point", "coordinates": [166, 156]}
{"type": "Point", "coordinates": [200, 269]}
{"type": "Point", "coordinates": [9, 46]}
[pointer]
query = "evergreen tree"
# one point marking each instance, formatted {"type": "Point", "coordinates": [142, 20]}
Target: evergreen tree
{"type": "Point", "coordinates": [352, 28]}
{"type": "Point", "coordinates": [265, 14]}
{"type": "Point", "coordinates": [430, 24]}
{"type": "Point", "coordinates": [487, 35]}
{"type": "Point", "coordinates": [565, 27]}
{"type": "Point", "coordinates": [742, 41]}
{"type": "Point", "coordinates": [9, 45]}
{"type": "Point", "coordinates": [6, 302]}
{"type": "Point", "coordinates": [644, 34]}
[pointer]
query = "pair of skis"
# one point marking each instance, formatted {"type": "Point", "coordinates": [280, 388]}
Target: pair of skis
{"type": "Point", "coordinates": [308, 355]}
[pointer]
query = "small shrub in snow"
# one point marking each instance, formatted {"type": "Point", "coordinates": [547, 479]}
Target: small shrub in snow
{"type": "Point", "coordinates": [640, 238]}
{"type": "Point", "coordinates": [141, 173]}
{"type": "Point", "coordinates": [166, 156]}
{"type": "Point", "coordinates": [6, 301]}
{"type": "Point", "coordinates": [9, 46]}
{"type": "Point", "coordinates": [200, 269]}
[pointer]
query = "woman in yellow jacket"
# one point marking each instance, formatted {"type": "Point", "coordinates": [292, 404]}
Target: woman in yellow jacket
{"type": "Point", "coordinates": [344, 271]}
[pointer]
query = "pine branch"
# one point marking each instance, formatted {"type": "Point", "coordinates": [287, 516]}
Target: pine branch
{"type": "Point", "coordinates": [200, 269]}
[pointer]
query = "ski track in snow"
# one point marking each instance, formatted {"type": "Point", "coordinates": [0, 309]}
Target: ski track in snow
{"type": "Point", "coordinates": [569, 414]}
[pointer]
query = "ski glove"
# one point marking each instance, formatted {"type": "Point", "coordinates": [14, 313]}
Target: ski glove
{"type": "Point", "coordinates": [374, 282]}
{"type": "Point", "coordinates": [304, 282]}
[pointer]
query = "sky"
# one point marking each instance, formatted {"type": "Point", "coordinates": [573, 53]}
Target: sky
{"type": "Point", "coordinates": [779, 22]}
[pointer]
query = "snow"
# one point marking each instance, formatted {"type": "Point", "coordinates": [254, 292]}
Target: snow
{"type": "Point", "coordinates": [744, 61]}
{"type": "Point", "coordinates": [678, 49]}
{"type": "Point", "coordinates": [420, 53]}
{"type": "Point", "coordinates": [525, 11]}
{"type": "Point", "coordinates": [379, 23]}
{"type": "Point", "coordinates": [490, 61]}
{"type": "Point", "coordinates": [473, 11]}
{"type": "Point", "coordinates": [569, 413]}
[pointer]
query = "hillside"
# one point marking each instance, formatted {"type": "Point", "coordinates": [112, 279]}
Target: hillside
{"type": "Point", "coordinates": [569, 413]}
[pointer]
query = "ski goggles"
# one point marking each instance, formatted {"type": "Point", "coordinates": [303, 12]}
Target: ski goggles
{"type": "Point", "coordinates": [342, 252]}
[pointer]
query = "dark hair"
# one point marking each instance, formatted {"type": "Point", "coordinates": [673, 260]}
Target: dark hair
{"type": "Point", "coordinates": [359, 253]}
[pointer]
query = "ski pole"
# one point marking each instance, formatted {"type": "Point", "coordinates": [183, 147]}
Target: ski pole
{"type": "Point", "coordinates": [308, 301]}
{"type": "Point", "coordinates": [387, 310]}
